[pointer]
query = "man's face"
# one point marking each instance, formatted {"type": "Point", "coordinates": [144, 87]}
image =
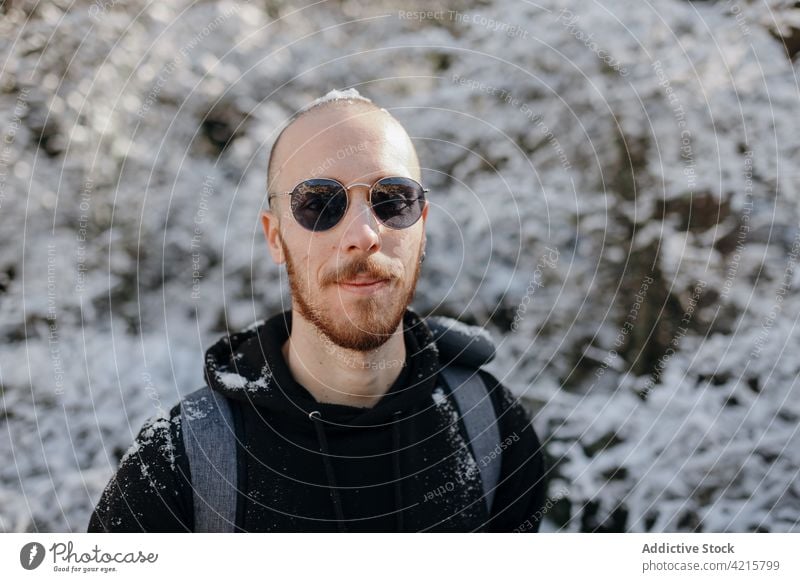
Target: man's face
{"type": "Point", "coordinates": [328, 270]}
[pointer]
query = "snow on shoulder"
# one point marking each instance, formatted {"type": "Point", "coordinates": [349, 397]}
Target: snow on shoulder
{"type": "Point", "coordinates": [155, 434]}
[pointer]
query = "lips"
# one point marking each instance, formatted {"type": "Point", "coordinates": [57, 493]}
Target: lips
{"type": "Point", "coordinates": [363, 285]}
{"type": "Point", "coordinates": [362, 282]}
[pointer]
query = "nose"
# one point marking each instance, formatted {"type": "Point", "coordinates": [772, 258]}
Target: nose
{"type": "Point", "coordinates": [361, 234]}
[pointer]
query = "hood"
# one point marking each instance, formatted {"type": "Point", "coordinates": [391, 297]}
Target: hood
{"type": "Point", "coordinates": [249, 366]}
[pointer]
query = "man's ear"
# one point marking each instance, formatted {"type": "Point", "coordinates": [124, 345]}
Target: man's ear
{"type": "Point", "coordinates": [271, 225]}
{"type": "Point", "coordinates": [425, 211]}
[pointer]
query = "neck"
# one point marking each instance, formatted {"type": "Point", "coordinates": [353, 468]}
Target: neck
{"type": "Point", "coordinates": [337, 375]}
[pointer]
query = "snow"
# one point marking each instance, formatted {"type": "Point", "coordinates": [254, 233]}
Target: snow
{"type": "Point", "coordinates": [193, 411]}
{"type": "Point", "coordinates": [132, 240]}
{"type": "Point", "coordinates": [335, 95]}
{"type": "Point", "coordinates": [467, 472]}
{"type": "Point", "coordinates": [234, 381]}
{"type": "Point", "coordinates": [231, 380]}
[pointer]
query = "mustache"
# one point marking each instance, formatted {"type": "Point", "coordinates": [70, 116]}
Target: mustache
{"type": "Point", "coordinates": [373, 268]}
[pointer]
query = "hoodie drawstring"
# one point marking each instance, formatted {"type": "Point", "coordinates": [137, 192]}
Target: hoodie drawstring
{"type": "Point", "coordinates": [315, 416]}
{"type": "Point", "coordinates": [398, 490]}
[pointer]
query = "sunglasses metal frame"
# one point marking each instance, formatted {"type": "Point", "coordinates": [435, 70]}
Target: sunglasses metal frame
{"type": "Point", "coordinates": [347, 192]}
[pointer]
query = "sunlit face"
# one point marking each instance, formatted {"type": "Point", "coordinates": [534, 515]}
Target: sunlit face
{"type": "Point", "coordinates": [354, 281]}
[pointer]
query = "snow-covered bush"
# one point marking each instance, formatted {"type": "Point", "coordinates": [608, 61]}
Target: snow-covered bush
{"type": "Point", "coordinates": [614, 195]}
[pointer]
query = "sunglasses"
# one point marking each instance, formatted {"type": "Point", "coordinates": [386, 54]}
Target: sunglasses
{"type": "Point", "coordinates": [319, 204]}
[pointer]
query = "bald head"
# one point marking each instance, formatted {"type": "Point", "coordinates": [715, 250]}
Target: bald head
{"type": "Point", "coordinates": [341, 138]}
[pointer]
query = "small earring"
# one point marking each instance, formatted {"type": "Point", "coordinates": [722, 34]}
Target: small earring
{"type": "Point", "coordinates": [422, 257]}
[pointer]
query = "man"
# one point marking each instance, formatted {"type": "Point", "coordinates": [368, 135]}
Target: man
{"type": "Point", "coordinates": [339, 417]}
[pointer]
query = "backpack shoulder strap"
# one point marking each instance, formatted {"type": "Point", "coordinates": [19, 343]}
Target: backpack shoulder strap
{"type": "Point", "coordinates": [480, 421]}
{"type": "Point", "coordinates": [209, 439]}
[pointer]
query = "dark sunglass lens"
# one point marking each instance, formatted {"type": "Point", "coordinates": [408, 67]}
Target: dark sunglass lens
{"type": "Point", "coordinates": [319, 204]}
{"type": "Point", "coordinates": [398, 202]}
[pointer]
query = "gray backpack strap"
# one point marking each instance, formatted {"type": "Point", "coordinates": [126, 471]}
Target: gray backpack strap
{"type": "Point", "coordinates": [209, 439]}
{"type": "Point", "coordinates": [480, 422]}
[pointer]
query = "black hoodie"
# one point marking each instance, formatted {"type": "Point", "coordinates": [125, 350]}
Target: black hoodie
{"type": "Point", "coordinates": [303, 465]}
